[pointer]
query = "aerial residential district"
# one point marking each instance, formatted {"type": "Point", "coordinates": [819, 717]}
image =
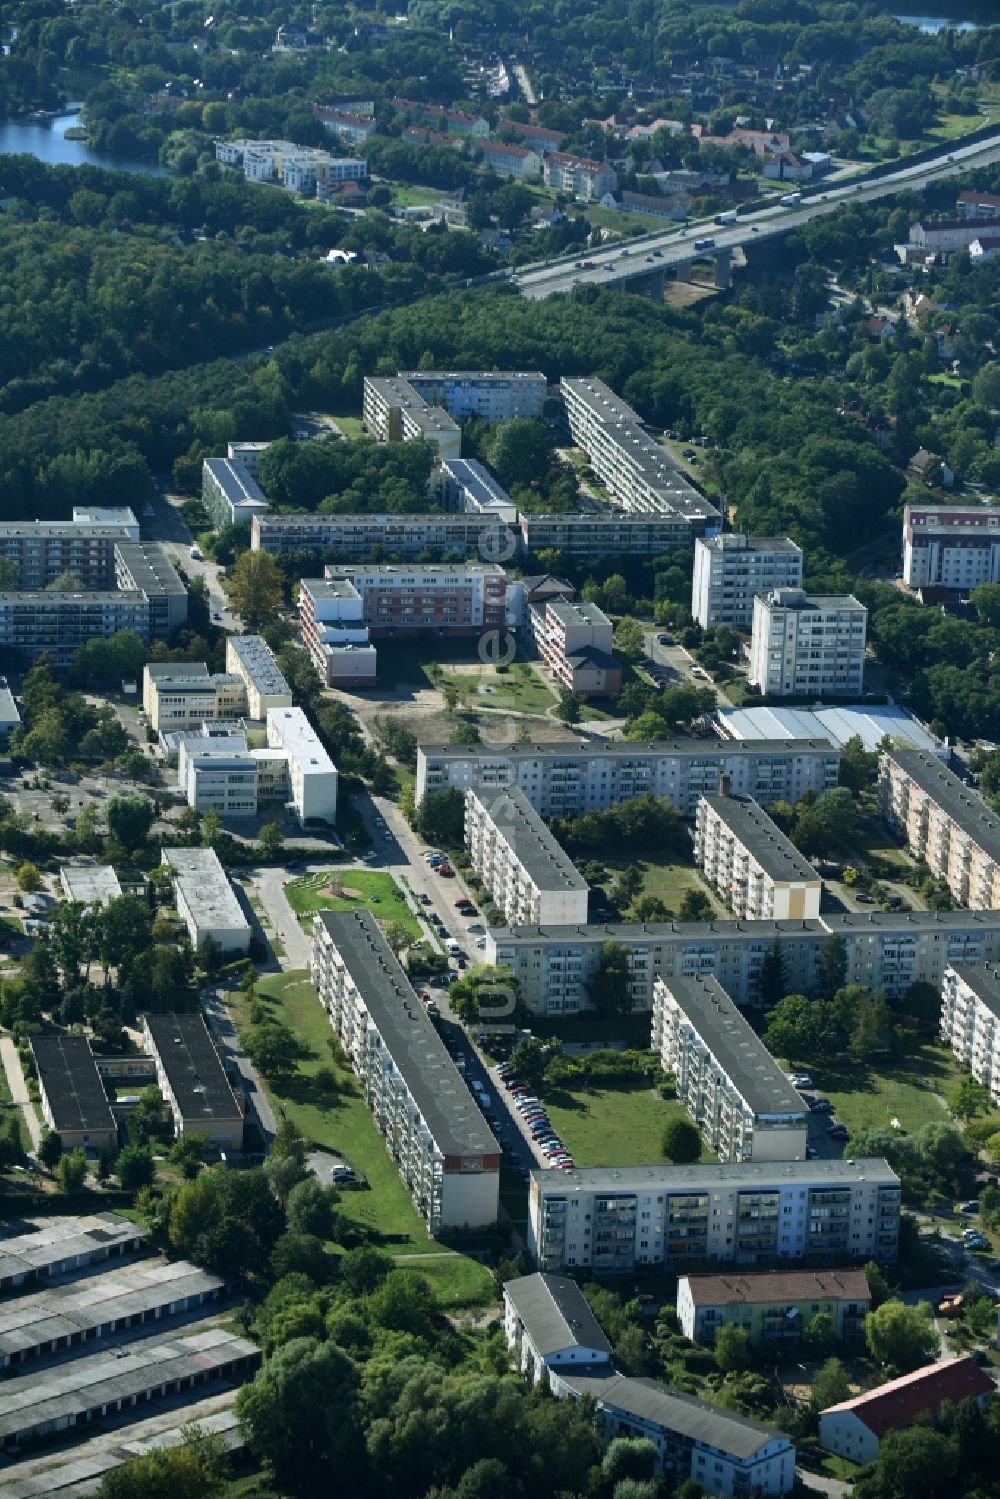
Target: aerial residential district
{"type": "Point", "coordinates": [499, 750]}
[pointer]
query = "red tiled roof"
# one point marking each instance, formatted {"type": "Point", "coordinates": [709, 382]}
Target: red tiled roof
{"type": "Point", "coordinates": [779, 1285]}
{"type": "Point", "coordinates": [897, 1404]}
{"type": "Point", "coordinates": [535, 132]}
{"type": "Point", "coordinates": [988, 200]}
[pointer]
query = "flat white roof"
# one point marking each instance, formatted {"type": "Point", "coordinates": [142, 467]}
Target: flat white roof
{"type": "Point", "coordinates": [872, 724]}
{"type": "Point", "coordinates": [204, 887]}
{"type": "Point", "coordinates": [300, 740]}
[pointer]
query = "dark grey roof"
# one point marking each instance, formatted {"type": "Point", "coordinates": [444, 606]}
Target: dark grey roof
{"type": "Point", "coordinates": [58, 1239]}
{"type": "Point", "coordinates": [762, 838]}
{"type": "Point", "coordinates": [734, 1044]}
{"type": "Point", "coordinates": [235, 481]}
{"type": "Point", "coordinates": [713, 749]}
{"type": "Point", "coordinates": [408, 1034]}
{"type": "Point", "coordinates": [529, 839]}
{"type": "Point", "coordinates": [193, 1070]}
{"type": "Point", "coordinates": [984, 982]}
{"type": "Point", "coordinates": [848, 923]}
{"type": "Point", "coordinates": [72, 1084]}
{"type": "Point", "coordinates": [966, 809]}
{"type": "Point", "coordinates": [149, 567]}
{"type": "Point", "coordinates": [647, 1400]}
{"type": "Point", "coordinates": [555, 1314]}
{"type": "Point", "coordinates": [589, 655]}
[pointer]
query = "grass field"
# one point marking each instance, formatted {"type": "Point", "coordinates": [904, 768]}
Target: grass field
{"type": "Point", "coordinates": [670, 881]}
{"type": "Point", "coordinates": [520, 689]}
{"type": "Point", "coordinates": [414, 197]}
{"type": "Point", "coordinates": [613, 1126]}
{"type": "Point", "coordinates": [350, 426]}
{"type": "Point", "coordinates": [871, 1097]}
{"type": "Point", "coordinates": [375, 892]}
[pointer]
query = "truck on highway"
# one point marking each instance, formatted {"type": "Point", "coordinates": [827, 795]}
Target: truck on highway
{"type": "Point", "coordinates": [729, 217]}
{"type": "Point", "coordinates": [790, 200]}
{"type": "Point", "coordinates": [705, 244]}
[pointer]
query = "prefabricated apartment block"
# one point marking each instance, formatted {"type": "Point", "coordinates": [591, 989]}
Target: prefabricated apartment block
{"type": "Point", "coordinates": [807, 644]}
{"type": "Point", "coordinates": [559, 779]}
{"type": "Point", "coordinates": [73, 1097]}
{"type": "Point", "coordinates": [192, 1080]}
{"type": "Point", "coordinates": [734, 1090]}
{"type": "Point", "coordinates": [970, 1021]}
{"type": "Point", "coordinates": [773, 1307]}
{"type": "Point", "coordinates": [758, 872]}
{"type": "Point", "coordinates": [607, 1220]}
{"type": "Point", "coordinates": [731, 569]}
{"type": "Point", "coordinates": [522, 866]}
{"type": "Point", "coordinates": [947, 826]}
{"type": "Point", "coordinates": [887, 950]}
{"type": "Point", "coordinates": [434, 1131]}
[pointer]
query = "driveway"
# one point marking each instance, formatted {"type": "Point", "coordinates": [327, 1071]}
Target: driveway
{"type": "Point", "coordinates": [270, 882]}
{"type": "Point", "coordinates": [167, 525]}
{"type": "Point", "coordinates": [221, 1024]}
{"type": "Point", "coordinates": [19, 1089]}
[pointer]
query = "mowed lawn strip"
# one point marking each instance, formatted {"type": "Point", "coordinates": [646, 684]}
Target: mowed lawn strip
{"type": "Point", "coordinates": [613, 1126]}
{"type": "Point", "coordinates": [363, 889]}
{"type": "Point", "coordinates": [908, 1089]}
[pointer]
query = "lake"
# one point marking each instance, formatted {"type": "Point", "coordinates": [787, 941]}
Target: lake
{"type": "Point", "coordinates": [46, 139]}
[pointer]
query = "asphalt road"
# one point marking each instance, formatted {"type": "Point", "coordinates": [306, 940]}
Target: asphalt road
{"type": "Point", "coordinates": [224, 1029]}
{"type": "Point", "coordinates": [166, 524]}
{"type": "Point", "coordinates": [674, 245]}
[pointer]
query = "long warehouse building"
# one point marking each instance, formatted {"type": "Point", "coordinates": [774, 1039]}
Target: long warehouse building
{"type": "Point", "coordinates": [60, 1245]}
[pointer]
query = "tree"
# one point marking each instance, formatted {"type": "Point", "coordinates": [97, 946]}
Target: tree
{"type": "Point", "coordinates": [188, 1153]}
{"type": "Point", "coordinates": [196, 1469]}
{"type": "Point", "coordinates": [830, 1385]}
{"type": "Point", "coordinates": [872, 1028]}
{"type": "Point", "coordinates": [568, 707]}
{"type": "Point", "coordinates": [985, 599]}
{"type": "Point", "coordinates": [464, 733]}
{"type": "Point", "coordinates": [695, 906]}
{"type": "Point", "coordinates": [858, 766]}
{"type": "Point", "coordinates": [877, 1283]}
{"type": "Point", "coordinates": [732, 1349]}
{"type": "Point", "coordinates": [404, 1302]}
{"type": "Point", "coordinates": [440, 818]}
{"type": "Point", "coordinates": [627, 886]}
{"type": "Point", "coordinates": [134, 1167]}
{"type": "Point", "coordinates": [529, 1061]}
{"type": "Point", "coordinates": [397, 936]}
{"type": "Point", "coordinates": [629, 1457]}
{"type": "Point", "coordinates": [518, 451]}
{"type": "Point", "coordinates": [299, 1416]}
{"type": "Point", "coordinates": [271, 840]}
{"type": "Point", "coordinates": [272, 1048]}
{"type": "Point", "coordinates": [129, 820]}
{"type": "Point", "coordinates": [609, 988]}
{"type": "Point", "coordinates": [72, 1171]}
{"type": "Point", "coordinates": [820, 1334]}
{"type": "Point", "coordinates": [799, 1028]}
{"type": "Point", "coordinates": [311, 1208]}
{"type": "Point", "coordinates": [681, 1142]}
{"type": "Point", "coordinates": [629, 639]}
{"type": "Point", "coordinates": [831, 966]}
{"type": "Point", "coordinates": [256, 588]}
{"type": "Point", "coordinates": [300, 1254]}
{"type": "Point", "coordinates": [50, 1149]}
{"type": "Point", "coordinates": [969, 1099]}
{"type": "Point", "coordinates": [28, 877]}
{"type": "Point", "coordinates": [903, 1336]}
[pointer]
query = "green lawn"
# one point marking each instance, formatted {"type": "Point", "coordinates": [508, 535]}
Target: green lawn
{"type": "Point", "coordinates": [350, 426]}
{"type": "Point", "coordinates": [667, 879]}
{"type": "Point", "coordinates": [363, 889]}
{"type": "Point", "coordinates": [520, 689]}
{"type": "Point", "coordinates": [415, 197]}
{"type": "Point", "coordinates": [871, 1097]}
{"type": "Point", "coordinates": [458, 1281]}
{"type": "Point", "coordinates": [613, 1126]}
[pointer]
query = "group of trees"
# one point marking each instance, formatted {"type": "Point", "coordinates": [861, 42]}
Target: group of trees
{"type": "Point", "coordinates": [348, 476]}
{"type": "Point", "coordinates": [853, 1020]}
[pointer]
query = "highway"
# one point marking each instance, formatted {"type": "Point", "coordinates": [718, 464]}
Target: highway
{"type": "Point", "coordinates": [673, 245]}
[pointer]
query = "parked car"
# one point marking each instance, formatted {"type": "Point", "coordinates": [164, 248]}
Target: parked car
{"type": "Point", "coordinates": [425, 899]}
{"type": "Point", "coordinates": [838, 1132]}
{"type": "Point", "coordinates": [971, 1206]}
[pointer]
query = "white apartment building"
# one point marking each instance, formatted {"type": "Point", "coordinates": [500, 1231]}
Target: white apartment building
{"type": "Point", "coordinates": [332, 620]}
{"type": "Point", "coordinates": [598, 533]}
{"type": "Point", "coordinates": [747, 858]}
{"type": "Point", "coordinates": [807, 645]}
{"type": "Point", "coordinates": [946, 825]}
{"type": "Point", "coordinates": [638, 471]}
{"type": "Point", "coordinates": [434, 1131]}
{"type": "Point", "coordinates": [528, 875]}
{"type": "Point", "coordinates": [734, 1090]}
{"type": "Point", "coordinates": [464, 485]}
{"type": "Point", "coordinates": [230, 493]}
{"type": "Point", "coordinates": [312, 775]}
{"type": "Point", "coordinates": [355, 538]}
{"type": "Point", "coordinates": [250, 658]}
{"type": "Point", "coordinates": [574, 641]}
{"type": "Point", "coordinates": [554, 965]}
{"type": "Point", "coordinates": [181, 695]}
{"type": "Point", "coordinates": [731, 569]}
{"type": "Point", "coordinates": [492, 395]}
{"type": "Point", "coordinates": [607, 1220]}
{"type": "Point", "coordinates": [517, 162]}
{"type": "Point", "coordinates": [559, 779]}
{"type": "Point", "coordinates": [247, 454]}
{"type": "Point", "coordinates": [222, 775]}
{"type": "Point", "coordinates": [970, 1021]}
{"type": "Point", "coordinates": [548, 1327]}
{"type": "Point", "coordinates": [206, 900]}
{"type": "Point", "coordinates": [450, 598]}
{"type": "Point", "coordinates": [951, 546]}
{"type": "Point", "coordinates": [578, 175]}
{"type": "Point", "coordinates": [394, 412]}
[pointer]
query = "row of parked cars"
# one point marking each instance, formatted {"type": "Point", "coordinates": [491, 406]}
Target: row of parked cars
{"type": "Point", "coordinates": [817, 1104]}
{"type": "Point", "coordinates": [535, 1119]}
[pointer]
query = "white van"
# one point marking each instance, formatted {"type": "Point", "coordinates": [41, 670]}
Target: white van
{"type": "Point", "coordinates": [452, 947]}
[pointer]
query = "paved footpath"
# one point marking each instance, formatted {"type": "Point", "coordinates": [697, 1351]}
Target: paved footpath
{"type": "Point", "coordinates": [19, 1089]}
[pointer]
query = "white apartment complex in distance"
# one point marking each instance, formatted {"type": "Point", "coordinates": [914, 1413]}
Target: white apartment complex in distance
{"type": "Point", "coordinates": [355, 538]}
{"type": "Point", "coordinates": [332, 621]}
{"type": "Point", "coordinates": [394, 412]}
{"type": "Point", "coordinates": [947, 826]}
{"type": "Point", "coordinates": [559, 779]}
{"type": "Point", "coordinates": [230, 493]}
{"type": "Point", "coordinates": [638, 471]}
{"type": "Point", "coordinates": [951, 546]}
{"type": "Point", "coordinates": [731, 569]}
{"type": "Point", "coordinates": [492, 395]}
{"type": "Point", "coordinates": [807, 645]}
{"type": "Point", "coordinates": [206, 900]}
{"type": "Point", "coordinates": [607, 1220]}
{"type": "Point", "coordinates": [434, 1131]}
{"type": "Point", "coordinates": [726, 1078]}
{"type": "Point", "coordinates": [249, 657]}
{"type": "Point", "coordinates": [747, 858]}
{"type": "Point", "coordinates": [524, 869]}
{"type": "Point", "coordinates": [970, 1021]}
